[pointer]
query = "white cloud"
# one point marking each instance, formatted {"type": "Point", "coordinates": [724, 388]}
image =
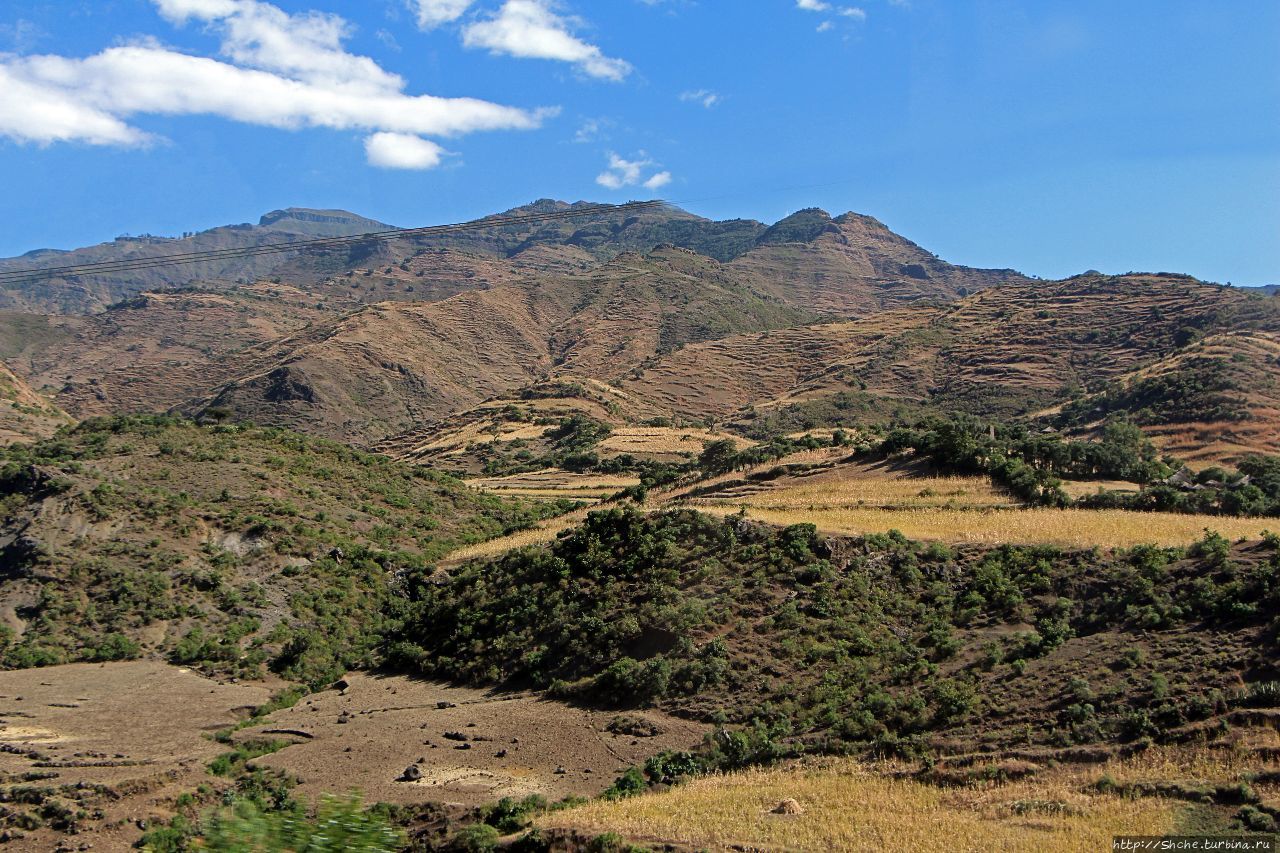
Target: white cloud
{"type": "Point", "coordinates": [658, 181]}
{"type": "Point", "coordinates": [592, 130]}
{"type": "Point", "coordinates": [30, 112]}
{"type": "Point", "coordinates": [827, 8]}
{"type": "Point", "coordinates": [529, 29]}
{"type": "Point", "coordinates": [305, 47]}
{"type": "Point", "coordinates": [629, 173]}
{"type": "Point", "coordinates": [286, 71]}
{"type": "Point", "coordinates": [402, 151]}
{"type": "Point", "coordinates": [433, 13]}
{"type": "Point", "coordinates": [701, 96]}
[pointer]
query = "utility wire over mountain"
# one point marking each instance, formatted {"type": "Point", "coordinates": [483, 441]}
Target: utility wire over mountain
{"type": "Point", "coordinates": [131, 264]}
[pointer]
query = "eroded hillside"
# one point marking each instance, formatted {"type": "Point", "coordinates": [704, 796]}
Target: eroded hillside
{"type": "Point", "coordinates": [24, 414]}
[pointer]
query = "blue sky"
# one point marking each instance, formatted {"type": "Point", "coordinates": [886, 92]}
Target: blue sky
{"type": "Point", "coordinates": [1047, 136]}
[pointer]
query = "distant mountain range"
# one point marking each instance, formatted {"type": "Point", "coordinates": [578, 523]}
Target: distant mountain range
{"type": "Point", "coordinates": [87, 294]}
{"type": "Point", "coordinates": [653, 314]}
{"type": "Point", "coordinates": [852, 246]}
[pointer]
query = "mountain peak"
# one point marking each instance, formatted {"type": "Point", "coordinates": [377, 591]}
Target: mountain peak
{"type": "Point", "coordinates": [292, 215]}
{"type": "Point", "coordinates": [803, 226]}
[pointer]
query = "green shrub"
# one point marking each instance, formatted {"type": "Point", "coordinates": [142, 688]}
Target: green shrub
{"type": "Point", "coordinates": [340, 825]}
{"type": "Point", "coordinates": [476, 838]}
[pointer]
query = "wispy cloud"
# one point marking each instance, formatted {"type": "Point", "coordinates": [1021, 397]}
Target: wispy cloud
{"type": "Point", "coordinates": [592, 130]}
{"type": "Point", "coordinates": [825, 8]}
{"type": "Point", "coordinates": [705, 97]}
{"type": "Point", "coordinates": [531, 29]}
{"type": "Point", "coordinates": [20, 36]}
{"type": "Point", "coordinates": [629, 173]}
{"type": "Point", "coordinates": [433, 13]}
{"type": "Point", "coordinates": [280, 70]}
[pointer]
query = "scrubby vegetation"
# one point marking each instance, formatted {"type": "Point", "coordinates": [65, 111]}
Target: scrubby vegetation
{"type": "Point", "coordinates": [1033, 465]}
{"type": "Point", "coordinates": [1202, 390]}
{"type": "Point", "coordinates": [876, 643]}
{"type": "Point", "coordinates": [230, 548]}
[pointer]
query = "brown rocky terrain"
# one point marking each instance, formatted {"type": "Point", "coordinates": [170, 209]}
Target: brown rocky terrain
{"type": "Point", "coordinates": [91, 293]}
{"type": "Point", "coordinates": [853, 265]}
{"type": "Point", "coordinates": [24, 414]}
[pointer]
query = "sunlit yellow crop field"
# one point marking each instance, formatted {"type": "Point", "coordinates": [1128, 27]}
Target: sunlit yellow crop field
{"type": "Point", "coordinates": [1076, 528]}
{"type": "Point", "coordinates": [544, 532]}
{"type": "Point", "coordinates": [664, 440]}
{"type": "Point", "coordinates": [850, 806]}
{"type": "Point", "coordinates": [554, 483]}
{"type": "Point", "coordinates": [860, 492]}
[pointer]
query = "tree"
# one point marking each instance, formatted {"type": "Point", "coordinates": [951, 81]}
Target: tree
{"type": "Point", "coordinates": [719, 457]}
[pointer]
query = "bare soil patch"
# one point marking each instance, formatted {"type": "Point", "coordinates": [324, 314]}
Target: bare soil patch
{"type": "Point", "coordinates": [118, 741]}
{"type": "Point", "coordinates": [469, 746]}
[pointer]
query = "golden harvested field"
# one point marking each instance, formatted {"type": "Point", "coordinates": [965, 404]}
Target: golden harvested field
{"type": "Point", "coordinates": [481, 432]}
{"type": "Point", "coordinates": [1075, 528]}
{"type": "Point", "coordinates": [850, 806]}
{"type": "Point", "coordinates": [859, 492]}
{"type": "Point", "coordinates": [1084, 488]}
{"type": "Point", "coordinates": [545, 531]}
{"type": "Point", "coordinates": [553, 483]}
{"type": "Point", "coordinates": [663, 441]}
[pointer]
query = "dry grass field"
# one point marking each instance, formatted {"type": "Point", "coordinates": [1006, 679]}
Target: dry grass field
{"type": "Point", "coordinates": [364, 737]}
{"type": "Point", "coordinates": [848, 805]}
{"type": "Point", "coordinates": [554, 483]}
{"type": "Point", "coordinates": [859, 492]}
{"type": "Point", "coordinates": [545, 531]}
{"type": "Point", "coordinates": [118, 741]}
{"type": "Point", "coordinates": [1074, 528]}
{"type": "Point", "coordinates": [1084, 488]}
{"type": "Point", "coordinates": [663, 441]}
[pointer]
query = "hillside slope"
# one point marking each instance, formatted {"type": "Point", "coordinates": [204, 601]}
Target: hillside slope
{"type": "Point", "coordinates": [388, 367]}
{"type": "Point", "coordinates": [1216, 399]}
{"type": "Point", "coordinates": [24, 414]}
{"type": "Point", "coordinates": [89, 294]}
{"type": "Point", "coordinates": [874, 643]}
{"type": "Point", "coordinates": [228, 547]}
{"type": "Point", "coordinates": [853, 265]}
{"type": "Point", "coordinates": [1003, 352]}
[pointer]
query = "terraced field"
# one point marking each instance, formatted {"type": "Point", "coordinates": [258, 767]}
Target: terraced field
{"type": "Point", "coordinates": [855, 499]}
{"type": "Point", "coordinates": [663, 442]}
{"type": "Point", "coordinates": [554, 483]}
{"type": "Point", "coordinates": [1077, 528]}
{"type": "Point", "coordinates": [1211, 402]}
{"type": "Point", "coordinates": [849, 805]}
{"type": "Point", "coordinates": [720, 377]}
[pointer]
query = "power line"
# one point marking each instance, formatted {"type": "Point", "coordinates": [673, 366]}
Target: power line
{"type": "Point", "coordinates": [236, 253]}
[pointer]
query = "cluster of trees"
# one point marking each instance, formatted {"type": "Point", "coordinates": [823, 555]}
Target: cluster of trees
{"type": "Point", "coordinates": [1033, 465]}
{"type": "Point", "coordinates": [630, 609]}
{"type": "Point", "coordinates": [722, 456]}
{"type": "Point", "coordinates": [1253, 489]}
{"type": "Point", "coordinates": [1202, 390]}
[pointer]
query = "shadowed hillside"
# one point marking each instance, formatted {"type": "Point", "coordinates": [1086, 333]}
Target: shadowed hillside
{"type": "Point", "coordinates": [89, 294]}
{"type": "Point", "coordinates": [381, 370]}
